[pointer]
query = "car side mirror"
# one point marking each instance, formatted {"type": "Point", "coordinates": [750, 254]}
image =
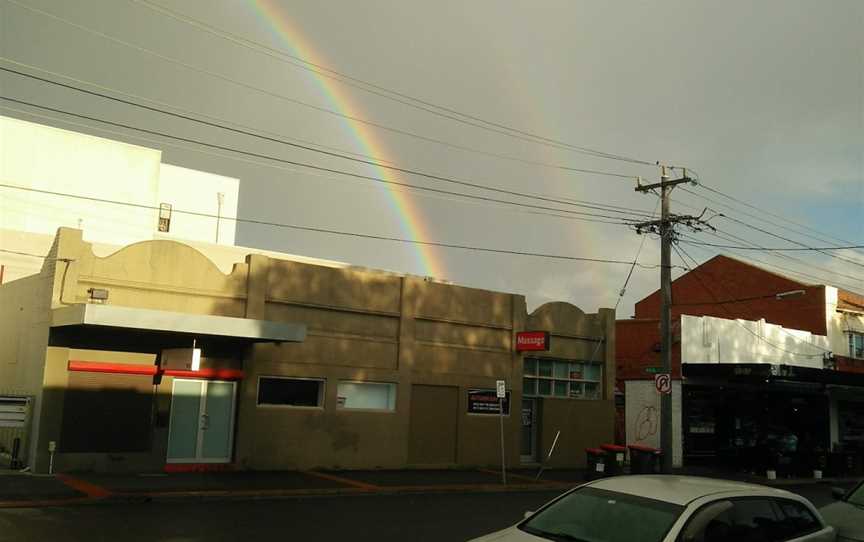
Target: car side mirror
{"type": "Point", "coordinates": [527, 514]}
{"type": "Point", "coordinates": [838, 493]}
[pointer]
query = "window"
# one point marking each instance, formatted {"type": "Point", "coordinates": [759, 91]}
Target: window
{"type": "Point", "coordinates": [750, 519]}
{"type": "Point", "coordinates": [366, 395]}
{"type": "Point", "coordinates": [795, 520]}
{"type": "Point", "coordinates": [856, 345]}
{"type": "Point", "coordinates": [596, 514]}
{"type": "Point", "coordinates": [294, 392]}
{"type": "Point", "coordinates": [560, 378]}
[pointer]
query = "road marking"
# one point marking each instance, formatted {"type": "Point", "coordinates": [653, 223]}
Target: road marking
{"type": "Point", "coordinates": [91, 490]}
{"type": "Point", "coordinates": [341, 480]}
{"type": "Point", "coordinates": [511, 475]}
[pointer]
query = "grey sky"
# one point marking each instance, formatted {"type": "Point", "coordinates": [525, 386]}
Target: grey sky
{"type": "Point", "coordinates": [763, 99]}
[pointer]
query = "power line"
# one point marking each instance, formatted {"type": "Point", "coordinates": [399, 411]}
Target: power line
{"type": "Point", "coordinates": [301, 103]}
{"type": "Point", "coordinates": [772, 249]}
{"type": "Point", "coordinates": [247, 132]}
{"type": "Point", "coordinates": [577, 214]}
{"type": "Point", "coordinates": [381, 91]}
{"type": "Point", "coordinates": [766, 232]}
{"type": "Point", "coordinates": [635, 259]}
{"type": "Point", "coordinates": [261, 163]}
{"type": "Point", "coordinates": [760, 218]}
{"type": "Point", "coordinates": [781, 217]}
{"type": "Point", "coordinates": [18, 253]}
{"type": "Point", "coordinates": [680, 250]}
{"type": "Point", "coordinates": [818, 279]}
{"type": "Point", "coordinates": [328, 231]}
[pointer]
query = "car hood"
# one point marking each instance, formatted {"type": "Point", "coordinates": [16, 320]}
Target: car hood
{"type": "Point", "coordinates": [511, 534]}
{"type": "Point", "coordinates": [846, 518]}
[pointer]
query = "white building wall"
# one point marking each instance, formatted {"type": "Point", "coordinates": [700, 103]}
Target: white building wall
{"type": "Point", "coordinates": [37, 159]}
{"type": "Point", "coordinates": [706, 339]}
{"type": "Point", "coordinates": [198, 192]}
{"type": "Point", "coordinates": [642, 415]}
{"type": "Point", "coordinates": [840, 323]}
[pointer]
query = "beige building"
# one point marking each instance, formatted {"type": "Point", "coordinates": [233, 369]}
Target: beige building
{"type": "Point", "coordinates": [152, 357]}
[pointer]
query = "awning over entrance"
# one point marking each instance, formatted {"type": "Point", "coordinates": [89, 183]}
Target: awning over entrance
{"type": "Point", "coordinates": [766, 372]}
{"type": "Point", "coordinates": [200, 325]}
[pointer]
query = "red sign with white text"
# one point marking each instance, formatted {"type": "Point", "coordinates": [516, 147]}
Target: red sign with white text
{"type": "Point", "coordinates": [532, 341]}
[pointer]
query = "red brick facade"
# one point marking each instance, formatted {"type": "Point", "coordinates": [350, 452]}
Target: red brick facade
{"type": "Point", "coordinates": [750, 293]}
{"type": "Point", "coordinates": [849, 365]}
{"type": "Point", "coordinates": [637, 347]}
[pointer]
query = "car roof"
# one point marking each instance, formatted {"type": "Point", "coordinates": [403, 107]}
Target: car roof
{"type": "Point", "coordinates": [681, 490]}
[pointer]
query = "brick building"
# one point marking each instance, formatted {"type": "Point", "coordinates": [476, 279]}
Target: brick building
{"type": "Point", "coordinates": [797, 347]}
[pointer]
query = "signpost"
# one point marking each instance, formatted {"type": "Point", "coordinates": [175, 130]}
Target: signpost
{"type": "Point", "coordinates": [501, 393]}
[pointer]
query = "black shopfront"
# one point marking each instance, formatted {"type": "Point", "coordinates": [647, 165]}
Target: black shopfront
{"type": "Point", "coordinates": [756, 417]}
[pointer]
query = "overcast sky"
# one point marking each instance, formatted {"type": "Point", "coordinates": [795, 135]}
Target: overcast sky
{"type": "Point", "coordinates": [765, 100]}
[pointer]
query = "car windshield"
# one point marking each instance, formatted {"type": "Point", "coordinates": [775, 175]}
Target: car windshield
{"type": "Point", "coordinates": [857, 496]}
{"type": "Point", "coordinates": [596, 515]}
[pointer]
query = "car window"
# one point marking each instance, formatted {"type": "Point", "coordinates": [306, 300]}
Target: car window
{"type": "Point", "coordinates": [739, 520]}
{"type": "Point", "coordinates": [755, 520]}
{"type": "Point", "coordinates": [796, 520]}
{"type": "Point", "coordinates": [856, 496]}
{"type": "Point", "coordinates": [598, 515]}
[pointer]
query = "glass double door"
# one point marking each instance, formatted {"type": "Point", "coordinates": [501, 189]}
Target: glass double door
{"type": "Point", "coordinates": [202, 421]}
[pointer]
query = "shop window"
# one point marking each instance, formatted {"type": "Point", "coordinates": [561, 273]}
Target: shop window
{"type": "Point", "coordinates": [856, 345]}
{"type": "Point", "coordinates": [560, 378]}
{"type": "Point", "coordinates": [366, 395]}
{"type": "Point", "coordinates": [291, 392]}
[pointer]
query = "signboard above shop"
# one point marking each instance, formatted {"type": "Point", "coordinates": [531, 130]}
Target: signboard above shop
{"type": "Point", "coordinates": [485, 401]}
{"type": "Point", "coordinates": [532, 341]}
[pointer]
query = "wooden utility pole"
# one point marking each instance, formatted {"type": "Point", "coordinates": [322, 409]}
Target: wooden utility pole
{"type": "Point", "coordinates": [665, 227]}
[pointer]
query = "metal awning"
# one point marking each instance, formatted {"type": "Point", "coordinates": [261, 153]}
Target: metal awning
{"type": "Point", "coordinates": [177, 322]}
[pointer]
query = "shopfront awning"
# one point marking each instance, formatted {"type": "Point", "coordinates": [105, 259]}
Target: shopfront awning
{"type": "Point", "coordinates": [198, 325]}
{"type": "Point", "coordinates": [770, 373]}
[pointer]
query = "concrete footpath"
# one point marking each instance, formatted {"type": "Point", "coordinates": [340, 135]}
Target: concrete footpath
{"type": "Point", "coordinates": [18, 490]}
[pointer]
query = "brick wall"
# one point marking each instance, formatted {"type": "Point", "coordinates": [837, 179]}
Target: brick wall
{"type": "Point", "coordinates": [637, 347]}
{"type": "Point", "coordinates": [726, 279]}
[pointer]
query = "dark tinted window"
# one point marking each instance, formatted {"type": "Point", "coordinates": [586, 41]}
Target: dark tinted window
{"type": "Point", "coordinates": [290, 392]}
{"type": "Point", "coordinates": [755, 520]}
{"type": "Point", "coordinates": [796, 520]}
{"type": "Point", "coordinates": [738, 520]}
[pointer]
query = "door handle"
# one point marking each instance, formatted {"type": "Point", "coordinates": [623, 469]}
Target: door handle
{"type": "Point", "coordinates": [205, 422]}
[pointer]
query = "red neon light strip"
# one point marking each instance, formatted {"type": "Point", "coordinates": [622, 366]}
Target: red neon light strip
{"type": "Point", "coordinates": [223, 374]}
{"type": "Point", "coordinates": [117, 368]}
{"type": "Point", "coordinates": [152, 370]}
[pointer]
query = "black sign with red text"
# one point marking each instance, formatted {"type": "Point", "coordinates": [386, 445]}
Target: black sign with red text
{"type": "Point", "coordinates": [486, 402]}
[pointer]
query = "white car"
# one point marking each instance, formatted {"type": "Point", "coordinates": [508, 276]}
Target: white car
{"type": "Point", "coordinates": [847, 514]}
{"type": "Point", "coordinates": [661, 508]}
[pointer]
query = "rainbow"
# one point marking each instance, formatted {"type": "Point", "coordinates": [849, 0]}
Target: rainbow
{"type": "Point", "coordinates": [413, 226]}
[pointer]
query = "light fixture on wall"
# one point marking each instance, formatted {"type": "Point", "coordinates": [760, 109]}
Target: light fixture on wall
{"type": "Point", "coordinates": [165, 217]}
{"type": "Point", "coordinates": [97, 295]}
{"type": "Point", "coordinates": [196, 356]}
{"type": "Point", "coordinates": [790, 293]}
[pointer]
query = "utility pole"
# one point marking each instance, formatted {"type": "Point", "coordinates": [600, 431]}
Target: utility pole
{"type": "Point", "coordinates": [665, 227]}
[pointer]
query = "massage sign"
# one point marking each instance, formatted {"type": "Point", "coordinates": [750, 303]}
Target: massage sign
{"type": "Point", "coordinates": [532, 341]}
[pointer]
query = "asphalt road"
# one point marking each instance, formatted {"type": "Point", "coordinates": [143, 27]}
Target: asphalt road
{"type": "Point", "coordinates": [417, 518]}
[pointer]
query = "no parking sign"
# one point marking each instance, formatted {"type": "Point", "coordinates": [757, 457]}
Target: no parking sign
{"type": "Point", "coordinates": [663, 383]}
